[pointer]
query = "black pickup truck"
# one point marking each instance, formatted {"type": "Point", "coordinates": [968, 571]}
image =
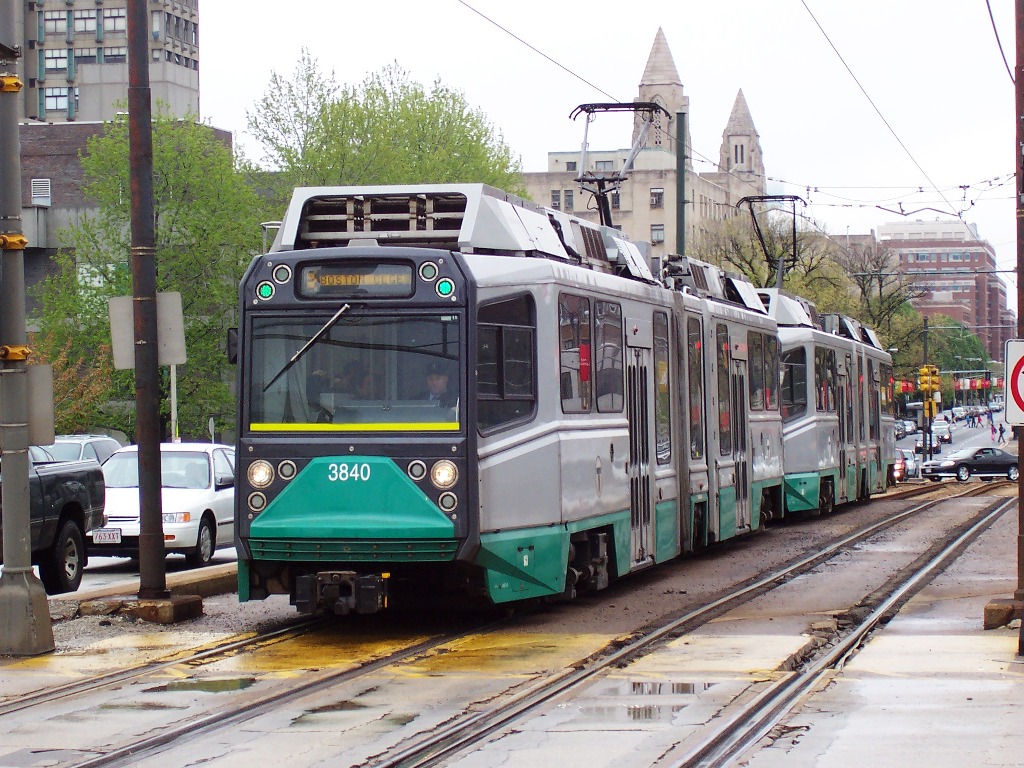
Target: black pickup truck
{"type": "Point", "coordinates": [66, 500]}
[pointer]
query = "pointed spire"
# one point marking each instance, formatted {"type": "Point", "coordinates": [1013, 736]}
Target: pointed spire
{"type": "Point", "coordinates": [661, 68]}
{"type": "Point", "coordinates": [740, 120]}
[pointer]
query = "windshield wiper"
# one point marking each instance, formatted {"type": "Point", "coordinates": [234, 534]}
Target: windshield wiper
{"type": "Point", "coordinates": [312, 340]}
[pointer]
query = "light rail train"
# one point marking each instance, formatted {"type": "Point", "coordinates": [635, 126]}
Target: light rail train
{"type": "Point", "coordinates": [450, 391]}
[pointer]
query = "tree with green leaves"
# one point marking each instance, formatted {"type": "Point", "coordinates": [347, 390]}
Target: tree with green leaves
{"type": "Point", "coordinates": [385, 130]}
{"type": "Point", "coordinates": [207, 230]}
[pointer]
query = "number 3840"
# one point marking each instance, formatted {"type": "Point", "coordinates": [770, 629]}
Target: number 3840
{"type": "Point", "coordinates": [343, 473]}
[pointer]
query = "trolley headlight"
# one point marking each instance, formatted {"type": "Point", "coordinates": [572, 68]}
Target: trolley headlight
{"type": "Point", "coordinates": [444, 474]}
{"type": "Point", "coordinates": [260, 474]}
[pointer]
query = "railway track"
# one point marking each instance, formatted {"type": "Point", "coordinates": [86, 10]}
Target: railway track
{"type": "Point", "coordinates": [476, 723]}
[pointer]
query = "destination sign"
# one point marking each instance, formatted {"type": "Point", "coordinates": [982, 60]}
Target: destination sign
{"type": "Point", "coordinates": [354, 280]}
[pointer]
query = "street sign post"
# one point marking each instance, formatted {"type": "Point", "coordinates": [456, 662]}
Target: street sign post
{"type": "Point", "coordinates": [1013, 399]}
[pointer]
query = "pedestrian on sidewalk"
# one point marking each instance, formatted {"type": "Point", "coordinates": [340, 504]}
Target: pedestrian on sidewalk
{"type": "Point", "coordinates": [1002, 431]}
{"type": "Point", "coordinates": [993, 425]}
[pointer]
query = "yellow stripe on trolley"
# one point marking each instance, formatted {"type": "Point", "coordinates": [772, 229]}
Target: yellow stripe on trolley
{"type": "Point", "coordinates": [417, 426]}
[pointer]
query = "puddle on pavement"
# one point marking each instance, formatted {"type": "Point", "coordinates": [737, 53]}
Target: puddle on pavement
{"type": "Point", "coordinates": [206, 686]}
{"type": "Point", "coordinates": [685, 693]}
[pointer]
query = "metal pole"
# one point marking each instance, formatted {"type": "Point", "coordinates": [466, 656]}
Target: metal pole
{"type": "Point", "coordinates": [927, 410]}
{"type": "Point", "coordinates": [681, 183]}
{"type": "Point", "coordinates": [152, 567]}
{"type": "Point", "coordinates": [1019, 166]}
{"type": "Point", "coordinates": [25, 626]}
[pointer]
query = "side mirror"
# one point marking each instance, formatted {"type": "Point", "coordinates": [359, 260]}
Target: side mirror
{"type": "Point", "coordinates": [223, 481]}
{"type": "Point", "coordinates": [232, 345]}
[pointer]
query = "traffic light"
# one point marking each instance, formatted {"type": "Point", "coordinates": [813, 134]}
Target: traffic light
{"type": "Point", "coordinates": [931, 381]}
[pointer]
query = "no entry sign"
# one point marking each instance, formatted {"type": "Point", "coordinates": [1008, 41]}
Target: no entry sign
{"type": "Point", "coordinates": [1013, 402]}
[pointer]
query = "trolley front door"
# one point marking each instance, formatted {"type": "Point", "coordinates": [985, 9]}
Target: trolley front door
{"type": "Point", "coordinates": [844, 446]}
{"type": "Point", "coordinates": [641, 431]}
{"type": "Point", "coordinates": [741, 424]}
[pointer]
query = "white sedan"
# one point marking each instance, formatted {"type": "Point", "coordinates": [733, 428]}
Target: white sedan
{"type": "Point", "coordinates": [197, 499]}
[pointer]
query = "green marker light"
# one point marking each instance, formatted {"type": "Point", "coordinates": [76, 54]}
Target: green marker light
{"type": "Point", "coordinates": [445, 287]}
{"type": "Point", "coordinates": [265, 290]}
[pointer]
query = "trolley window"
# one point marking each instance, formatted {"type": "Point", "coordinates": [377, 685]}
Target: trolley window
{"type": "Point", "coordinates": [662, 381]}
{"type": "Point", "coordinates": [874, 425]}
{"type": "Point", "coordinates": [574, 353]}
{"type": "Point", "coordinates": [359, 372]}
{"type": "Point", "coordinates": [755, 368]}
{"type": "Point", "coordinates": [608, 363]}
{"type": "Point", "coordinates": [506, 350]}
{"type": "Point", "coordinates": [824, 380]}
{"type": "Point", "coordinates": [794, 383]}
{"type": "Point", "coordinates": [695, 386]}
{"type": "Point", "coordinates": [887, 389]}
{"type": "Point", "coordinates": [724, 399]}
{"type": "Point", "coordinates": [771, 372]}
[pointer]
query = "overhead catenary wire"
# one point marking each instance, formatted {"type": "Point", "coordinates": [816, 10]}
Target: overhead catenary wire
{"type": "Point", "coordinates": [915, 207]}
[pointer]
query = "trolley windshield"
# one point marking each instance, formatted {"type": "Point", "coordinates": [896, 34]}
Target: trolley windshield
{"type": "Point", "coordinates": [363, 373]}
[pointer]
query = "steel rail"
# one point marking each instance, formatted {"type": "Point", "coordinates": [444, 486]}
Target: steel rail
{"type": "Point", "coordinates": [754, 721]}
{"type": "Point", "coordinates": [469, 731]}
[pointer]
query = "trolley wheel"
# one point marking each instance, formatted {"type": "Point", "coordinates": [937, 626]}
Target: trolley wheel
{"type": "Point", "coordinates": [826, 498]}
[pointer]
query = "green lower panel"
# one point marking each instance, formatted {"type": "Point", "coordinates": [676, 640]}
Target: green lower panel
{"type": "Point", "coordinates": [375, 514]}
{"type": "Point", "coordinates": [801, 491]}
{"type": "Point", "coordinates": [243, 580]}
{"type": "Point", "coordinates": [666, 531]}
{"type": "Point", "coordinates": [726, 513]}
{"type": "Point", "coordinates": [524, 564]}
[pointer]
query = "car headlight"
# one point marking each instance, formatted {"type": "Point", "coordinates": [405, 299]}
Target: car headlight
{"type": "Point", "coordinates": [260, 474]}
{"type": "Point", "coordinates": [947, 464]}
{"type": "Point", "coordinates": [444, 474]}
{"type": "Point", "coordinates": [177, 517]}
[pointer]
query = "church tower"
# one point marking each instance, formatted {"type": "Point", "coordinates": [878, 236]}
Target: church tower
{"type": "Point", "coordinates": [661, 84]}
{"type": "Point", "coordinates": [741, 146]}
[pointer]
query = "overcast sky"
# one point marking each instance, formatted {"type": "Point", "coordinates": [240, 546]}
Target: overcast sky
{"type": "Point", "coordinates": [930, 125]}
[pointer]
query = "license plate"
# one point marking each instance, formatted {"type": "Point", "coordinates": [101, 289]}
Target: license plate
{"type": "Point", "coordinates": [106, 536]}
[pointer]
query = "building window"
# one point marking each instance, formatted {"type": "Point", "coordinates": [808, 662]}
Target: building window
{"type": "Point", "coordinates": [616, 200]}
{"type": "Point", "coordinates": [604, 165]}
{"type": "Point", "coordinates": [657, 197]}
{"type": "Point", "coordinates": [556, 199]}
{"type": "Point", "coordinates": [57, 98]}
{"type": "Point", "coordinates": [657, 233]}
{"type": "Point", "coordinates": [85, 56]}
{"type": "Point", "coordinates": [115, 19]}
{"type": "Point", "coordinates": [56, 59]}
{"type": "Point", "coordinates": [116, 55]}
{"type": "Point", "coordinates": [85, 21]}
{"type": "Point", "coordinates": [55, 22]}
{"type": "Point", "coordinates": [568, 200]}
{"type": "Point", "coordinates": [570, 165]}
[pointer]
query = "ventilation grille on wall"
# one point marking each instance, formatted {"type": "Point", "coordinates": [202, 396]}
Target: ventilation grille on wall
{"type": "Point", "coordinates": [41, 192]}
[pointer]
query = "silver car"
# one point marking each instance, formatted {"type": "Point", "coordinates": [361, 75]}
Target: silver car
{"type": "Point", "coordinates": [912, 462]}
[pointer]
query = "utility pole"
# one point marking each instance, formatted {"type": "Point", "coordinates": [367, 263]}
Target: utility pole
{"type": "Point", "coordinates": [152, 565]}
{"type": "Point", "coordinates": [25, 626]}
{"type": "Point", "coordinates": [680, 183]}
{"type": "Point", "coordinates": [1018, 155]}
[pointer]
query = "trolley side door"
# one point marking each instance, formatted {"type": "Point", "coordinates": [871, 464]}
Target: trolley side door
{"type": "Point", "coordinates": [639, 399]}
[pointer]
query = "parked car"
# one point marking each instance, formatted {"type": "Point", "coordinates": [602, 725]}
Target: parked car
{"type": "Point", "coordinates": [197, 496]}
{"type": "Point", "coordinates": [65, 503]}
{"type": "Point", "coordinates": [913, 466]}
{"type": "Point", "coordinates": [983, 462]}
{"type": "Point", "coordinates": [79, 447]}
{"type": "Point", "coordinates": [899, 430]}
